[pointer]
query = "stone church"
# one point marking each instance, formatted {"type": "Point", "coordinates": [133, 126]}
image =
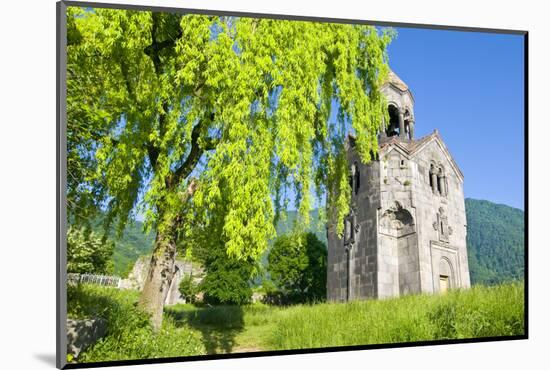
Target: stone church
{"type": "Point", "coordinates": [406, 231]}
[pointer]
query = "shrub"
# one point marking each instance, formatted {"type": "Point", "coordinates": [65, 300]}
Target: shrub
{"type": "Point", "coordinates": [227, 282]}
{"type": "Point", "coordinates": [87, 252]}
{"type": "Point", "coordinates": [297, 267]}
{"type": "Point", "coordinates": [188, 289]}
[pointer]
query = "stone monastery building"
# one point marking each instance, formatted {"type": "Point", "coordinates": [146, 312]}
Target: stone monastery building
{"type": "Point", "coordinates": [406, 232]}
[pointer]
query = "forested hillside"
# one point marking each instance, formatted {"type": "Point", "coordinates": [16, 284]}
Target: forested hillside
{"type": "Point", "coordinates": [495, 242]}
{"type": "Point", "coordinates": [132, 244]}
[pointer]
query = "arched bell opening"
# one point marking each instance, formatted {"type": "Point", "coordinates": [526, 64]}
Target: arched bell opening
{"type": "Point", "coordinates": [393, 127]}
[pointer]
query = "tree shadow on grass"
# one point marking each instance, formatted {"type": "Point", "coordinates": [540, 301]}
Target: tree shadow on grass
{"type": "Point", "coordinates": [219, 325]}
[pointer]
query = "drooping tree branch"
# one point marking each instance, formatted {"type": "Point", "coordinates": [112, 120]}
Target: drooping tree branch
{"type": "Point", "coordinates": [153, 50]}
{"type": "Point", "coordinates": [197, 150]}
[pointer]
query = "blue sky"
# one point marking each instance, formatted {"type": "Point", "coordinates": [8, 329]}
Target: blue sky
{"type": "Point", "coordinates": [470, 86]}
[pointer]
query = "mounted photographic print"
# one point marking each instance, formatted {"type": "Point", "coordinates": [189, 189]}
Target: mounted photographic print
{"type": "Point", "coordinates": [237, 184]}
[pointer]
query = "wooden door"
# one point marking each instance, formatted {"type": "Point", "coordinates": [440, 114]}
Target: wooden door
{"type": "Point", "coordinates": [443, 283]}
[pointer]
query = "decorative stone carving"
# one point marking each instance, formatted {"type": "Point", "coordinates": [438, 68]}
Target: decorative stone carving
{"type": "Point", "coordinates": [443, 225]}
{"type": "Point", "coordinates": [351, 228]}
{"type": "Point", "coordinates": [396, 221]}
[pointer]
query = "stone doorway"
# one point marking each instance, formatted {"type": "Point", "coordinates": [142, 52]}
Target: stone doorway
{"type": "Point", "coordinates": [443, 283]}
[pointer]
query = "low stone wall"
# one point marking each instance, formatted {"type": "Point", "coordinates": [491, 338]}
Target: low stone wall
{"type": "Point", "coordinates": [83, 333]}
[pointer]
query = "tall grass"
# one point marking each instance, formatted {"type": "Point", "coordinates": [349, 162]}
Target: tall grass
{"type": "Point", "coordinates": [193, 330]}
{"type": "Point", "coordinates": [129, 333]}
{"type": "Point", "coordinates": [474, 313]}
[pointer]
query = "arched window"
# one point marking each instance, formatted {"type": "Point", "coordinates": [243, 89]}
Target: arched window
{"type": "Point", "coordinates": [357, 182]}
{"type": "Point", "coordinates": [393, 127]}
{"type": "Point", "coordinates": [441, 182]}
{"type": "Point", "coordinates": [408, 128]}
{"type": "Point", "coordinates": [433, 178]}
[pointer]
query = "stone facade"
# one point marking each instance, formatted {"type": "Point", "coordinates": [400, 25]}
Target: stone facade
{"type": "Point", "coordinates": [136, 278]}
{"type": "Point", "coordinates": [406, 232]}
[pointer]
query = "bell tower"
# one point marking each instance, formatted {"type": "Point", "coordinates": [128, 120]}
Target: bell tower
{"type": "Point", "coordinates": [406, 231]}
{"type": "Point", "coordinates": [400, 109]}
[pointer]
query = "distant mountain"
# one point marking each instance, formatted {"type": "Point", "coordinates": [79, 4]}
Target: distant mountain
{"type": "Point", "coordinates": [286, 225]}
{"type": "Point", "coordinates": [133, 244]}
{"type": "Point", "coordinates": [495, 241]}
{"type": "Point", "coordinates": [129, 247]}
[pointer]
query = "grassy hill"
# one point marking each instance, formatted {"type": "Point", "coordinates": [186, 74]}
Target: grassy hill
{"type": "Point", "coordinates": [495, 241]}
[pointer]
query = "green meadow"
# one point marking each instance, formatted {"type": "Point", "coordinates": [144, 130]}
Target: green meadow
{"type": "Point", "coordinates": [195, 330]}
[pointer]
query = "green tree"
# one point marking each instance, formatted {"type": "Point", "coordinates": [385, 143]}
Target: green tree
{"type": "Point", "coordinates": [298, 267]}
{"type": "Point", "coordinates": [88, 253]}
{"type": "Point", "coordinates": [227, 281]}
{"type": "Point", "coordinates": [171, 114]}
{"type": "Point", "coordinates": [188, 288]}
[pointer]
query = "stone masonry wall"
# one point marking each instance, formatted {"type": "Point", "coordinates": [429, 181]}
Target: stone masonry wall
{"type": "Point", "coordinates": [398, 269]}
{"type": "Point", "coordinates": [432, 248]}
{"type": "Point", "coordinates": [363, 254]}
{"type": "Point", "coordinates": [408, 235]}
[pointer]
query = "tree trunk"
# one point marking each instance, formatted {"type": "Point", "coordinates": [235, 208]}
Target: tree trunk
{"type": "Point", "coordinates": [159, 277]}
{"type": "Point", "coordinates": [161, 268]}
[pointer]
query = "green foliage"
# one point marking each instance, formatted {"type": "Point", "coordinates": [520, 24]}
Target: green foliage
{"type": "Point", "coordinates": [227, 280]}
{"type": "Point", "coordinates": [287, 224]}
{"type": "Point", "coordinates": [475, 313]}
{"type": "Point", "coordinates": [298, 267]}
{"type": "Point", "coordinates": [87, 252]}
{"type": "Point", "coordinates": [495, 237]}
{"type": "Point", "coordinates": [129, 334]}
{"type": "Point", "coordinates": [242, 105]}
{"type": "Point", "coordinates": [228, 329]}
{"type": "Point", "coordinates": [188, 288]}
{"type": "Point", "coordinates": [495, 240]}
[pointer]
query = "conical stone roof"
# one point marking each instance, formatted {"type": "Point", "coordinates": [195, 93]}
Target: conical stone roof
{"type": "Point", "coordinates": [396, 81]}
